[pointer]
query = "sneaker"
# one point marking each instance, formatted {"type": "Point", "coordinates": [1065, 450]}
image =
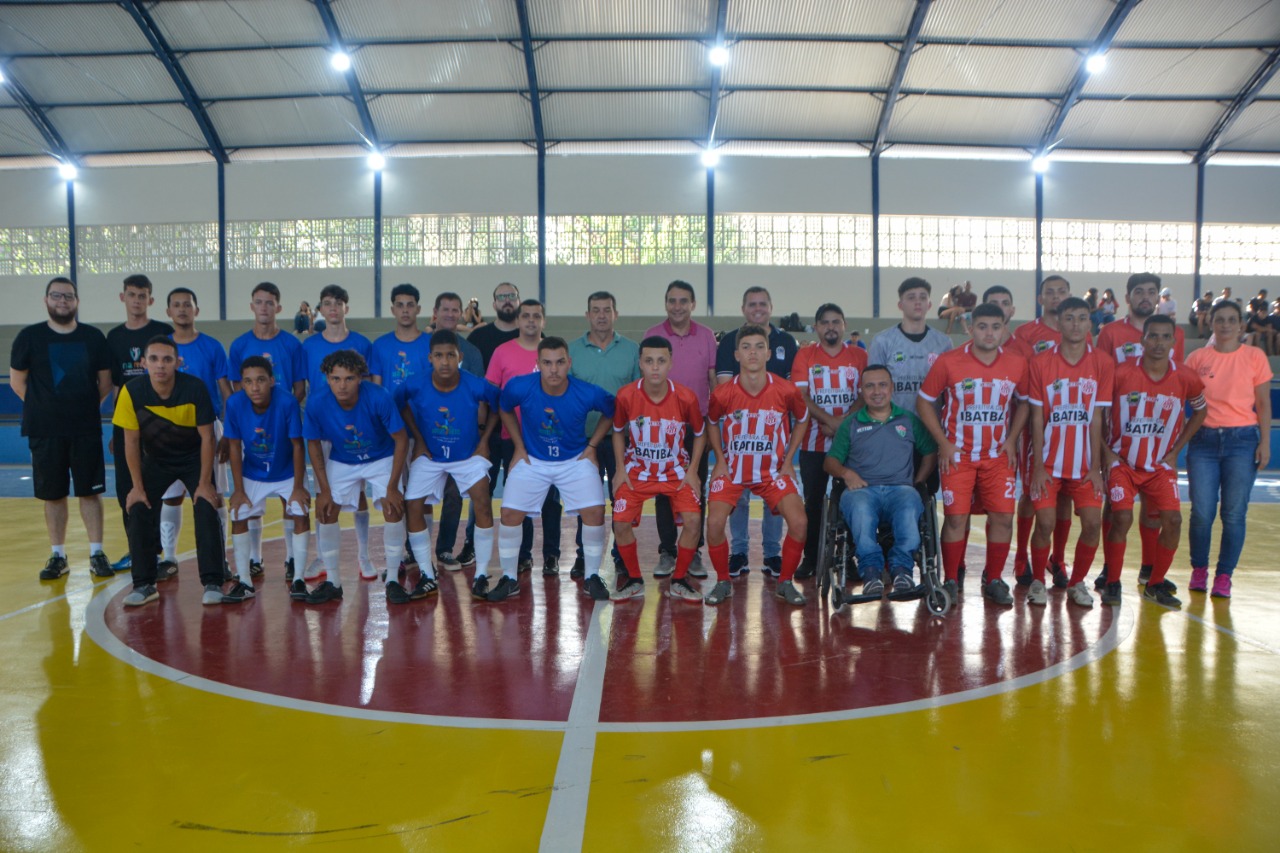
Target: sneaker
{"type": "Point", "coordinates": [953, 590]}
{"type": "Point", "coordinates": [288, 571]}
{"type": "Point", "coordinates": [255, 568]}
{"type": "Point", "coordinates": [467, 556]}
{"type": "Point", "coordinates": [1060, 577]}
{"type": "Point", "coordinates": [524, 566]}
{"type": "Point", "coordinates": [787, 592]}
{"type": "Point", "coordinates": [696, 568]}
{"type": "Point", "coordinates": [505, 588]}
{"type": "Point", "coordinates": [141, 595]}
{"type": "Point", "coordinates": [240, 592]}
{"type": "Point", "coordinates": [551, 567]}
{"type": "Point", "coordinates": [410, 559]}
{"type": "Point", "coordinates": [165, 570]}
{"type": "Point", "coordinates": [212, 594]}
{"type": "Point", "coordinates": [298, 590]}
{"type": "Point", "coordinates": [960, 578]}
{"type": "Point", "coordinates": [227, 575]}
{"type": "Point", "coordinates": [682, 589]}
{"type": "Point", "coordinates": [1026, 577]}
{"type": "Point", "coordinates": [448, 562]}
{"type": "Point", "coordinates": [1161, 596]}
{"type": "Point", "coordinates": [666, 565]}
{"type": "Point", "coordinates": [123, 564]}
{"type": "Point", "coordinates": [1037, 594]}
{"type": "Point", "coordinates": [902, 583]}
{"type": "Point", "coordinates": [997, 591]}
{"type": "Point", "coordinates": [314, 571]}
{"type": "Point", "coordinates": [632, 588]}
{"type": "Point", "coordinates": [594, 587]}
{"type": "Point", "coordinates": [772, 567]}
{"type": "Point", "coordinates": [396, 594]}
{"type": "Point", "coordinates": [875, 587]}
{"type": "Point", "coordinates": [1111, 593]}
{"type": "Point", "coordinates": [719, 592]}
{"type": "Point", "coordinates": [324, 593]}
{"type": "Point", "coordinates": [578, 570]}
{"type": "Point", "coordinates": [99, 567]}
{"type": "Point", "coordinates": [1079, 595]}
{"type": "Point", "coordinates": [480, 588]}
{"type": "Point", "coordinates": [425, 587]}
{"type": "Point", "coordinates": [55, 568]}
{"type": "Point", "coordinates": [737, 566]}
{"type": "Point", "coordinates": [1100, 582]}
{"type": "Point", "coordinates": [1168, 586]}
{"type": "Point", "coordinates": [1144, 573]}
{"type": "Point", "coordinates": [1221, 586]}
{"type": "Point", "coordinates": [805, 570]}
{"type": "Point", "coordinates": [367, 571]}
{"type": "Point", "coordinates": [1199, 580]}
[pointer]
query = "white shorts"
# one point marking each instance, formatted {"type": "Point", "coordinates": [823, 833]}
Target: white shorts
{"type": "Point", "coordinates": [221, 473]}
{"type": "Point", "coordinates": [347, 482]}
{"type": "Point", "coordinates": [577, 479]}
{"type": "Point", "coordinates": [258, 492]}
{"type": "Point", "coordinates": [427, 477]}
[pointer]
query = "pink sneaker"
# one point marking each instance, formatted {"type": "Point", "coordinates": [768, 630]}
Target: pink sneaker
{"type": "Point", "coordinates": [1222, 586]}
{"type": "Point", "coordinates": [1199, 580]}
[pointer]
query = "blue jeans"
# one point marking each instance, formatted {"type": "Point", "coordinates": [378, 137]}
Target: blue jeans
{"type": "Point", "coordinates": [770, 529]}
{"type": "Point", "coordinates": [1220, 462]}
{"type": "Point", "coordinates": [864, 510]}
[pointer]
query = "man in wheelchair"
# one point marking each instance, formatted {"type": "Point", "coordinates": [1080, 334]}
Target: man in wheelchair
{"type": "Point", "coordinates": [874, 454]}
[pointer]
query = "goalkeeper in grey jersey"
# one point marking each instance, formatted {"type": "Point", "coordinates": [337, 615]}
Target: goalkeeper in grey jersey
{"type": "Point", "coordinates": [909, 348]}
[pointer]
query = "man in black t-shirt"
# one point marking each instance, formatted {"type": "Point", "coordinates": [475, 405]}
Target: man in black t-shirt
{"type": "Point", "coordinates": [61, 370]}
{"type": "Point", "coordinates": [167, 419]}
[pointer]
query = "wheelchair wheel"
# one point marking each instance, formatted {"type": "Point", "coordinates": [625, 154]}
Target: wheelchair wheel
{"type": "Point", "coordinates": [825, 561]}
{"type": "Point", "coordinates": [938, 600]}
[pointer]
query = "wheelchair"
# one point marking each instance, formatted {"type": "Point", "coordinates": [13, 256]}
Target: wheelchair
{"type": "Point", "coordinates": [837, 569]}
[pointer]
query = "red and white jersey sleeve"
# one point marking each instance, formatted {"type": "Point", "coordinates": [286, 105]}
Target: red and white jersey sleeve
{"type": "Point", "coordinates": [656, 431]}
{"type": "Point", "coordinates": [755, 429]}
{"type": "Point", "coordinates": [1069, 395]}
{"type": "Point", "coordinates": [1146, 415]}
{"type": "Point", "coordinates": [832, 383]}
{"type": "Point", "coordinates": [1123, 342]}
{"type": "Point", "coordinates": [979, 398]}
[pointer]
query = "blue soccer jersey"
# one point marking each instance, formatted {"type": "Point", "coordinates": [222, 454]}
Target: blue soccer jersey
{"type": "Point", "coordinates": [205, 359]}
{"type": "Point", "coordinates": [284, 351]}
{"type": "Point", "coordinates": [315, 348]}
{"type": "Point", "coordinates": [554, 427]}
{"type": "Point", "coordinates": [397, 362]}
{"type": "Point", "coordinates": [362, 434]}
{"type": "Point", "coordinates": [266, 438]}
{"type": "Point", "coordinates": [447, 420]}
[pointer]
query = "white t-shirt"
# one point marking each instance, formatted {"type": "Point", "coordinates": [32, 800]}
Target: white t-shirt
{"type": "Point", "coordinates": [1168, 306]}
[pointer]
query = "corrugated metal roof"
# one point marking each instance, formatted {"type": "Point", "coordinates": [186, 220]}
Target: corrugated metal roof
{"type": "Point", "coordinates": [303, 71]}
{"type": "Point", "coordinates": [305, 121]}
{"type": "Point", "coordinates": [969, 121]}
{"type": "Point", "coordinates": [1195, 20]}
{"type": "Point", "coordinates": [1139, 124]}
{"type": "Point", "coordinates": [1063, 20]}
{"type": "Point", "coordinates": [156, 128]}
{"type": "Point", "coordinates": [961, 68]}
{"type": "Point", "coordinates": [443, 117]}
{"type": "Point", "coordinates": [394, 19]}
{"type": "Point", "coordinates": [18, 136]}
{"type": "Point", "coordinates": [1174, 72]}
{"type": "Point", "coordinates": [819, 17]}
{"type": "Point", "coordinates": [639, 115]}
{"type": "Point", "coordinates": [587, 64]}
{"type": "Point", "coordinates": [441, 66]}
{"type": "Point", "coordinates": [106, 79]}
{"type": "Point", "coordinates": [631, 17]}
{"type": "Point", "coordinates": [1257, 129]}
{"type": "Point", "coordinates": [809, 63]}
{"type": "Point", "coordinates": [1272, 89]}
{"type": "Point", "coordinates": [60, 28]}
{"type": "Point", "coordinates": [775, 115]}
{"type": "Point", "coordinates": [237, 23]}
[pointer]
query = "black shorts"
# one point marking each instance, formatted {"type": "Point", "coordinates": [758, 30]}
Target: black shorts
{"type": "Point", "coordinates": [58, 460]}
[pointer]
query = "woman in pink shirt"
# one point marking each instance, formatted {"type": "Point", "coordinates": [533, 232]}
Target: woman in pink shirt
{"type": "Point", "coordinates": [1223, 458]}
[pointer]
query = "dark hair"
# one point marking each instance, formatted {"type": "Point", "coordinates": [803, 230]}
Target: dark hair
{"type": "Point", "coordinates": [1050, 278]}
{"type": "Point", "coordinates": [681, 285]}
{"type": "Point", "coordinates": [756, 289]}
{"type": "Point", "coordinates": [1140, 278]}
{"type": "Point", "coordinates": [505, 284]}
{"type": "Point", "coordinates": [912, 284]}
{"type": "Point", "coordinates": [336, 291]}
{"type": "Point", "coordinates": [824, 308]}
{"type": "Point", "coordinates": [447, 295]}
{"type": "Point", "coordinates": [1161, 319]}
{"type": "Point", "coordinates": [1070, 303]}
{"type": "Point", "coordinates": [140, 281]}
{"type": "Point", "coordinates": [987, 309]}
{"type": "Point", "coordinates": [1213, 312]}
{"type": "Point", "coordinates": [552, 343]}
{"type": "Point", "coordinates": [655, 342]}
{"type": "Point", "coordinates": [163, 340]}
{"type": "Point", "coordinates": [258, 361]}
{"type": "Point", "coordinates": [345, 358]}
{"type": "Point", "coordinates": [177, 290]}
{"type": "Point", "coordinates": [405, 289]}
{"type": "Point", "coordinates": [871, 367]}
{"type": "Point", "coordinates": [266, 287]}
{"type": "Point", "coordinates": [444, 338]}
{"type": "Point", "coordinates": [600, 295]}
{"type": "Point", "coordinates": [530, 303]}
{"type": "Point", "coordinates": [749, 329]}
{"type": "Point", "coordinates": [61, 280]}
{"type": "Point", "coordinates": [996, 290]}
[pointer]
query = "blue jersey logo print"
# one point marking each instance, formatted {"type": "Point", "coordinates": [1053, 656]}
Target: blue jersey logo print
{"type": "Point", "coordinates": [354, 442]}
{"type": "Point", "coordinates": [260, 444]}
{"type": "Point", "coordinates": [550, 426]}
{"type": "Point", "coordinates": [402, 371]}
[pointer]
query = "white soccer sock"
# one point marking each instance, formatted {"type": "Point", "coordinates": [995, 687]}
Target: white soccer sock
{"type": "Point", "coordinates": [95, 548]}
{"type": "Point", "coordinates": [420, 542]}
{"type": "Point", "coordinates": [483, 545]}
{"type": "Point", "coordinates": [288, 538]}
{"type": "Point", "coordinates": [255, 539]}
{"type": "Point", "coordinates": [300, 542]}
{"type": "Point", "coordinates": [592, 548]}
{"type": "Point", "coordinates": [329, 541]}
{"type": "Point", "coordinates": [362, 534]}
{"type": "Point", "coordinates": [508, 549]}
{"type": "Point", "coordinates": [60, 551]}
{"type": "Point", "coordinates": [170, 528]}
{"type": "Point", "coordinates": [240, 544]}
{"type": "Point", "coordinates": [393, 546]}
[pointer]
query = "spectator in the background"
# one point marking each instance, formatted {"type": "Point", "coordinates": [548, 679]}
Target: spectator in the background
{"type": "Point", "coordinates": [471, 316]}
{"type": "Point", "coordinates": [1258, 328]}
{"type": "Point", "coordinates": [1168, 305]}
{"type": "Point", "coordinates": [1106, 311]}
{"type": "Point", "coordinates": [302, 320]}
{"type": "Point", "coordinates": [1091, 299]}
{"type": "Point", "coordinates": [1200, 313]}
{"type": "Point", "coordinates": [1259, 305]}
{"type": "Point", "coordinates": [855, 339]}
{"type": "Point", "coordinates": [951, 307]}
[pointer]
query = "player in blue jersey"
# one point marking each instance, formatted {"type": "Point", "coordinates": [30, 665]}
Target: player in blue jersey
{"type": "Point", "coordinates": [552, 448]}
{"type": "Point", "coordinates": [367, 444]}
{"type": "Point", "coordinates": [403, 354]}
{"type": "Point", "coordinates": [263, 429]}
{"type": "Point", "coordinates": [451, 415]}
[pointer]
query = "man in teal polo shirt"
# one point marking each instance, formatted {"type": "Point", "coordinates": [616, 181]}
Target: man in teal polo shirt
{"type": "Point", "coordinates": [874, 453]}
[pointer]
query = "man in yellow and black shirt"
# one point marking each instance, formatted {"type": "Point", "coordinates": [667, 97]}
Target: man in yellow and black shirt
{"type": "Point", "coordinates": [167, 418]}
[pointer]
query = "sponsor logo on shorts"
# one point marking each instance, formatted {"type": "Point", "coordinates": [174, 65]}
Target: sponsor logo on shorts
{"type": "Point", "coordinates": [1117, 493]}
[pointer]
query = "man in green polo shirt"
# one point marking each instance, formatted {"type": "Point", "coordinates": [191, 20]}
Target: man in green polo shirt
{"type": "Point", "coordinates": [874, 452]}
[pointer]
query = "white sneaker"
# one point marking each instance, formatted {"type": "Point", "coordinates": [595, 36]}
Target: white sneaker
{"type": "Point", "coordinates": [1037, 594]}
{"type": "Point", "coordinates": [1079, 595]}
{"type": "Point", "coordinates": [367, 571]}
{"type": "Point", "coordinates": [212, 594]}
{"type": "Point", "coordinates": [313, 571]}
{"type": "Point", "coordinates": [140, 596]}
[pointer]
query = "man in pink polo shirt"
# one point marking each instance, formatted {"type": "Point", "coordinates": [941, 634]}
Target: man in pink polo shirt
{"type": "Point", "coordinates": [693, 365]}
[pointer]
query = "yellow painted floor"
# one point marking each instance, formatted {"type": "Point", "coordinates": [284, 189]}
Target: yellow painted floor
{"type": "Point", "coordinates": [1170, 741]}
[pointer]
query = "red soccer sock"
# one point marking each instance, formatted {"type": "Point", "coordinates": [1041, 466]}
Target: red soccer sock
{"type": "Point", "coordinates": [952, 554]}
{"type": "Point", "coordinates": [1149, 537]}
{"type": "Point", "coordinates": [792, 551]}
{"type": "Point", "coordinates": [1113, 553]}
{"type": "Point", "coordinates": [630, 559]}
{"type": "Point", "coordinates": [1061, 533]}
{"type": "Point", "coordinates": [1023, 529]}
{"type": "Point", "coordinates": [997, 555]}
{"type": "Point", "coordinates": [1039, 560]}
{"type": "Point", "coordinates": [720, 559]}
{"type": "Point", "coordinates": [684, 557]}
{"type": "Point", "coordinates": [1163, 559]}
{"type": "Point", "coordinates": [1083, 562]}
{"type": "Point", "coordinates": [1106, 527]}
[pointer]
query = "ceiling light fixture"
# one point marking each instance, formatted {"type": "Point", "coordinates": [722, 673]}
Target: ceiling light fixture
{"type": "Point", "coordinates": [718, 55]}
{"type": "Point", "coordinates": [376, 161]}
{"type": "Point", "coordinates": [1096, 63]}
{"type": "Point", "coordinates": [68, 171]}
{"type": "Point", "coordinates": [710, 158]}
{"type": "Point", "coordinates": [340, 61]}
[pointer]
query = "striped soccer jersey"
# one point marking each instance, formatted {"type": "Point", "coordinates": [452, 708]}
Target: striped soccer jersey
{"type": "Point", "coordinates": [1123, 341]}
{"type": "Point", "coordinates": [833, 383]}
{"type": "Point", "coordinates": [1069, 394]}
{"type": "Point", "coordinates": [755, 428]}
{"type": "Point", "coordinates": [979, 398]}
{"type": "Point", "coordinates": [1146, 414]}
{"type": "Point", "coordinates": [656, 431]}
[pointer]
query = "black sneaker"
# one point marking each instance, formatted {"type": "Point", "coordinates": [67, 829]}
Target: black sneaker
{"type": "Point", "coordinates": [288, 570]}
{"type": "Point", "coordinates": [1158, 594]}
{"type": "Point", "coordinates": [298, 590]}
{"type": "Point", "coordinates": [448, 562]}
{"type": "Point", "coordinates": [1144, 573]}
{"type": "Point", "coordinates": [696, 568]}
{"type": "Point", "coordinates": [772, 567]}
{"type": "Point", "coordinates": [240, 592]}
{"type": "Point", "coordinates": [467, 556]}
{"type": "Point", "coordinates": [480, 588]}
{"type": "Point", "coordinates": [55, 568]}
{"type": "Point", "coordinates": [997, 592]}
{"type": "Point", "coordinates": [1026, 577]}
{"type": "Point", "coordinates": [255, 568]}
{"type": "Point", "coordinates": [524, 566]}
{"type": "Point", "coordinates": [506, 588]}
{"type": "Point", "coordinates": [738, 565]}
{"type": "Point", "coordinates": [551, 567]}
{"type": "Point", "coordinates": [578, 570]}
{"type": "Point", "coordinates": [100, 567]}
{"type": "Point", "coordinates": [167, 569]}
{"type": "Point", "coordinates": [1168, 586]}
{"type": "Point", "coordinates": [594, 587]}
{"type": "Point", "coordinates": [1111, 593]}
{"type": "Point", "coordinates": [324, 593]}
{"type": "Point", "coordinates": [426, 586]}
{"type": "Point", "coordinates": [396, 594]}
{"type": "Point", "coordinates": [804, 571]}
{"type": "Point", "coordinates": [1061, 580]}
{"type": "Point", "coordinates": [1100, 582]}
{"type": "Point", "coordinates": [960, 578]}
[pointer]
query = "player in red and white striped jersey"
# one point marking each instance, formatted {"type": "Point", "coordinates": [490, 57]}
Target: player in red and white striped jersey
{"type": "Point", "coordinates": [750, 431]}
{"type": "Point", "coordinates": [1070, 386]}
{"type": "Point", "coordinates": [655, 415]}
{"type": "Point", "coordinates": [977, 446]}
{"type": "Point", "coordinates": [1147, 434]}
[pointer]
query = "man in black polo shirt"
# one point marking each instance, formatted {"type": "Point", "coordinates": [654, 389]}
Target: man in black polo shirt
{"type": "Point", "coordinates": [167, 419]}
{"type": "Point", "coordinates": [61, 370]}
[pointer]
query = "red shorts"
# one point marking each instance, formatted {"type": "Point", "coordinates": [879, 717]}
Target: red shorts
{"type": "Point", "coordinates": [1159, 489]}
{"type": "Point", "coordinates": [992, 479]}
{"type": "Point", "coordinates": [1080, 492]}
{"type": "Point", "coordinates": [771, 492]}
{"type": "Point", "coordinates": [629, 500]}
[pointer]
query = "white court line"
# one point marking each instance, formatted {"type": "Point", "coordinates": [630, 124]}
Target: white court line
{"type": "Point", "coordinates": [1240, 638]}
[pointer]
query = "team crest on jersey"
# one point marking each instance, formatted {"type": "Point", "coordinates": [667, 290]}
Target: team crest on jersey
{"type": "Point", "coordinates": [948, 497]}
{"type": "Point", "coordinates": [933, 356]}
{"type": "Point", "coordinates": [639, 421]}
{"type": "Point", "coordinates": [1041, 346]}
{"type": "Point", "coordinates": [1088, 386]}
{"type": "Point", "coordinates": [1129, 349]}
{"type": "Point", "coordinates": [901, 430]}
{"type": "Point", "coordinates": [1057, 385]}
{"type": "Point", "coordinates": [1135, 398]}
{"type": "Point", "coordinates": [738, 416]}
{"type": "Point", "coordinates": [672, 428]}
{"type": "Point", "coordinates": [818, 370]}
{"type": "Point", "coordinates": [898, 357]}
{"type": "Point", "coordinates": [1169, 404]}
{"type": "Point", "coordinates": [968, 385]}
{"type": "Point", "coordinates": [1117, 494]}
{"type": "Point", "coordinates": [620, 505]}
{"type": "Point", "coordinates": [1006, 386]}
{"type": "Point", "coordinates": [717, 485]}
{"type": "Point", "coordinates": [772, 418]}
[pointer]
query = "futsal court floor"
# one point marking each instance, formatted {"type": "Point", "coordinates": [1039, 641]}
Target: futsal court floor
{"type": "Point", "coordinates": [553, 722]}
